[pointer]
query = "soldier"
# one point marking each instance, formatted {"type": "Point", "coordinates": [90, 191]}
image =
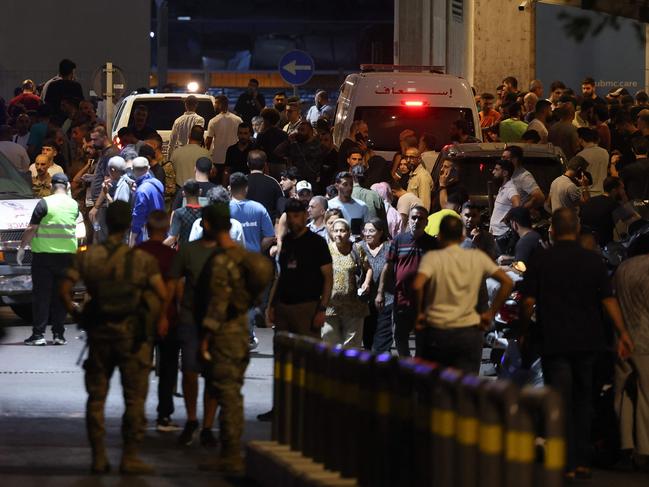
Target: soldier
{"type": "Point", "coordinates": [52, 234]}
{"type": "Point", "coordinates": [236, 279]}
{"type": "Point", "coordinates": [121, 283]}
{"type": "Point", "coordinates": [42, 182]}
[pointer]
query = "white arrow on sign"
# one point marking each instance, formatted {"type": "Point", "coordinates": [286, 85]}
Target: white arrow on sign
{"type": "Point", "coordinates": [293, 67]}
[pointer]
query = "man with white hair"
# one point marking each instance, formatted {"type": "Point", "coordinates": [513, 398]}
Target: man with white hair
{"type": "Point", "coordinates": [122, 183]}
{"type": "Point", "coordinates": [149, 196]}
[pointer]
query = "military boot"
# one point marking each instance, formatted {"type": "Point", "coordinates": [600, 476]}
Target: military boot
{"type": "Point", "coordinates": [132, 464]}
{"type": "Point", "coordinates": [99, 460]}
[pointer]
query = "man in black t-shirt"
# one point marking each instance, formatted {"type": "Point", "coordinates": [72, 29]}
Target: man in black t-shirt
{"type": "Point", "coordinates": [250, 102]}
{"type": "Point", "coordinates": [569, 289]}
{"type": "Point", "coordinates": [301, 294]}
{"type": "Point", "coordinates": [236, 156]}
{"type": "Point", "coordinates": [262, 188]}
{"type": "Point", "coordinates": [600, 214]}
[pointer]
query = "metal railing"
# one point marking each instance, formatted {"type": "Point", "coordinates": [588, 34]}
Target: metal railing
{"type": "Point", "coordinates": [382, 421]}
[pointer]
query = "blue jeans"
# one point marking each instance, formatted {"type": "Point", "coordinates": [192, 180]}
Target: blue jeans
{"type": "Point", "coordinates": [572, 376]}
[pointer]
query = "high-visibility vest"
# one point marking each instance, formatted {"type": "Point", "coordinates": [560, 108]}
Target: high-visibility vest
{"type": "Point", "coordinates": [56, 232]}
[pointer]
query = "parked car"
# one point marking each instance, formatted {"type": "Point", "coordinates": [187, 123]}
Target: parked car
{"type": "Point", "coordinates": [476, 161]}
{"type": "Point", "coordinates": [163, 109]}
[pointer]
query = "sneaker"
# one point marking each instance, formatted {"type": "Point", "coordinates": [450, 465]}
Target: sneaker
{"type": "Point", "coordinates": [188, 435]}
{"type": "Point", "coordinates": [59, 340]}
{"type": "Point", "coordinates": [253, 344]}
{"type": "Point", "coordinates": [207, 438]}
{"type": "Point", "coordinates": [38, 340]}
{"type": "Point", "coordinates": [165, 425]}
{"type": "Point", "coordinates": [266, 416]}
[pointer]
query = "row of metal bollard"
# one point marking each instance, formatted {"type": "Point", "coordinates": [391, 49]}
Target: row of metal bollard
{"type": "Point", "coordinates": [389, 422]}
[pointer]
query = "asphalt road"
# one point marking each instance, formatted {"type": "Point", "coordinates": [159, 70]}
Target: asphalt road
{"type": "Point", "coordinates": [42, 430]}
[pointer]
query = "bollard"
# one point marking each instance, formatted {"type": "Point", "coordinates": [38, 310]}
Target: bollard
{"type": "Point", "coordinates": [335, 410]}
{"type": "Point", "coordinates": [348, 397]}
{"type": "Point", "coordinates": [497, 403]}
{"type": "Point", "coordinates": [426, 375]}
{"type": "Point", "coordinates": [443, 424]}
{"type": "Point", "coordinates": [467, 432]}
{"type": "Point", "coordinates": [365, 421]}
{"type": "Point", "coordinates": [382, 469]}
{"type": "Point", "coordinates": [301, 347]}
{"type": "Point", "coordinates": [319, 388]}
{"type": "Point", "coordinates": [404, 430]}
{"type": "Point", "coordinates": [547, 403]}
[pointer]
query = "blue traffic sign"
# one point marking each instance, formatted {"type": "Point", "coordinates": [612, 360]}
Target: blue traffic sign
{"type": "Point", "coordinates": [296, 67]}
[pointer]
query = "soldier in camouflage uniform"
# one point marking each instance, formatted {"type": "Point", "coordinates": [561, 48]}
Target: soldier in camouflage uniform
{"type": "Point", "coordinates": [225, 326]}
{"type": "Point", "coordinates": [115, 343]}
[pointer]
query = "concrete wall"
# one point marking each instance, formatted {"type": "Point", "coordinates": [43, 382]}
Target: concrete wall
{"type": "Point", "coordinates": [37, 34]}
{"type": "Point", "coordinates": [503, 39]}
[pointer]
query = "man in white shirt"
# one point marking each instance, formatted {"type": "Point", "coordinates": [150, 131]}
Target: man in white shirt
{"type": "Point", "coordinates": [183, 125]}
{"type": "Point", "coordinates": [448, 329]}
{"type": "Point", "coordinates": [16, 153]}
{"type": "Point", "coordinates": [506, 199]}
{"type": "Point", "coordinates": [354, 211]}
{"type": "Point", "coordinates": [222, 131]}
{"type": "Point", "coordinates": [596, 156]}
{"type": "Point", "coordinates": [50, 150]}
{"type": "Point", "coordinates": [317, 209]}
{"type": "Point", "coordinates": [321, 109]}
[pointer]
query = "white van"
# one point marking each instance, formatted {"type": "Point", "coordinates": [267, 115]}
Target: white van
{"type": "Point", "coordinates": [163, 109]}
{"type": "Point", "coordinates": [391, 101]}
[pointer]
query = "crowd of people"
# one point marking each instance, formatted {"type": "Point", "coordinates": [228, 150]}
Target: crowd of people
{"type": "Point", "coordinates": [365, 250]}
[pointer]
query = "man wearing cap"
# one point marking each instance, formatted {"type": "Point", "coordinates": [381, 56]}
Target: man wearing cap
{"type": "Point", "coordinates": [149, 196]}
{"type": "Point", "coordinates": [321, 109]}
{"type": "Point", "coordinates": [52, 235]}
{"type": "Point", "coordinates": [564, 192]}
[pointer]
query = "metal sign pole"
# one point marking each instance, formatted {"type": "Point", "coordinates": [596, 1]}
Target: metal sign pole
{"type": "Point", "coordinates": [109, 95]}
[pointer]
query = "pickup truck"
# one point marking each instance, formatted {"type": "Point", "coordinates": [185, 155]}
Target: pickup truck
{"type": "Point", "coordinates": [16, 206]}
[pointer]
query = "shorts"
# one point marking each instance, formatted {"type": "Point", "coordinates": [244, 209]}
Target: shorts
{"type": "Point", "coordinates": [189, 340]}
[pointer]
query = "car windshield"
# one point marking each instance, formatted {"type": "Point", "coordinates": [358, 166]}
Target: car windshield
{"type": "Point", "coordinates": [386, 123]}
{"type": "Point", "coordinates": [163, 111]}
{"type": "Point", "coordinates": [12, 184]}
{"type": "Point", "coordinates": [475, 172]}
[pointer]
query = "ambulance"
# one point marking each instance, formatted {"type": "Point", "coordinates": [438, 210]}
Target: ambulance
{"type": "Point", "coordinates": [392, 98]}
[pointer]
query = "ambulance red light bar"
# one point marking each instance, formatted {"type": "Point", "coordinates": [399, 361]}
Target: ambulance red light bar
{"type": "Point", "coordinates": [414, 103]}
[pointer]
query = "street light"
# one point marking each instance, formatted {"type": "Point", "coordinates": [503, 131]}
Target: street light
{"type": "Point", "coordinates": [192, 86]}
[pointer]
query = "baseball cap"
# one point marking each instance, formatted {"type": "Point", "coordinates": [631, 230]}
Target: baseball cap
{"type": "Point", "coordinates": [60, 178]}
{"type": "Point", "coordinates": [301, 185]}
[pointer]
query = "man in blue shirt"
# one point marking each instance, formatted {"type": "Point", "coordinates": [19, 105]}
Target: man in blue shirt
{"type": "Point", "coordinates": [149, 196]}
{"type": "Point", "coordinates": [258, 232]}
{"type": "Point", "coordinates": [257, 226]}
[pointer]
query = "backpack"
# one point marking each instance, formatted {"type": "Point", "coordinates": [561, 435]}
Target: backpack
{"type": "Point", "coordinates": [114, 300]}
{"type": "Point", "coordinates": [257, 272]}
{"type": "Point", "coordinates": [170, 180]}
